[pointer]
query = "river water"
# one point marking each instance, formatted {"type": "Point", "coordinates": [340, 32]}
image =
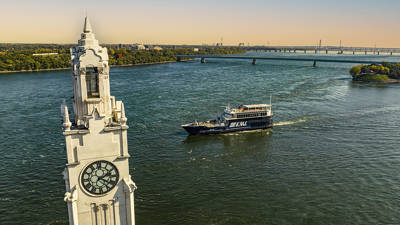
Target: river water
{"type": "Point", "coordinates": [333, 156]}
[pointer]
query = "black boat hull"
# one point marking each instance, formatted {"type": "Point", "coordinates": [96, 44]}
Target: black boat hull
{"type": "Point", "coordinates": [232, 126]}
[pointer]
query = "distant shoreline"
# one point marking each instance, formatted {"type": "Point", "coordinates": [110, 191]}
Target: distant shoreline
{"type": "Point", "coordinates": [68, 68]}
{"type": "Point", "coordinates": [28, 71]}
{"type": "Point", "coordinates": [27, 60]}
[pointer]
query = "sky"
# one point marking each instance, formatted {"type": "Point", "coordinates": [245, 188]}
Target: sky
{"type": "Point", "coordinates": [256, 22]}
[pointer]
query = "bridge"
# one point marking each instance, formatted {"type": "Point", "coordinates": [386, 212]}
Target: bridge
{"type": "Point", "coordinates": [304, 49]}
{"type": "Point", "coordinates": [326, 49]}
{"type": "Point", "coordinates": [255, 58]}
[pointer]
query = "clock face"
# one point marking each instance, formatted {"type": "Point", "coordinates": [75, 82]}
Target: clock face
{"type": "Point", "coordinates": [99, 177]}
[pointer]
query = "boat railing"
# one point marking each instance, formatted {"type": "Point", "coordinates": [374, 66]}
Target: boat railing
{"type": "Point", "coordinates": [244, 110]}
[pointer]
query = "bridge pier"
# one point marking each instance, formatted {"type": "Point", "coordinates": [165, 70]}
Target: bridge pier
{"type": "Point", "coordinates": [316, 51]}
{"type": "Point", "coordinates": [365, 52]}
{"type": "Point", "coordinates": [179, 59]}
{"type": "Point", "coordinates": [305, 51]}
{"type": "Point", "coordinates": [378, 52]}
{"type": "Point", "coordinates": [326, 51]}
{"type": "Point", "coordinates": [295, 51]}
{"type": "Point", "coordinates": [391, 53]}
{"type": "Point", "coordinates": [254, 62]}
{"type": "Point", "coordinates": [303, 59]}
{"type": "Point", "coordinates": [354, 52]}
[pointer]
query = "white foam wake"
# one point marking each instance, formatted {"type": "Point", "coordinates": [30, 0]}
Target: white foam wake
{"type": "Point", "coordinates": [285, 123]}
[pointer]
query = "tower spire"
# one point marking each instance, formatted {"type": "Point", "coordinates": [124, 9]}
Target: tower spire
{"type": "Point", "coordinates": [87, 28]}
{"type": "Point", "coordinates": [87, 37]}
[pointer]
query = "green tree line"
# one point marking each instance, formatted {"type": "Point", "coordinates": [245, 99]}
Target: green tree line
{"type": "Point", "coordinates": [17, 58]}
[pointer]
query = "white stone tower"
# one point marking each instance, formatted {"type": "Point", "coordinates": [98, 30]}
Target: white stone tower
{"type": "Point", "coordinates": [99, 187]}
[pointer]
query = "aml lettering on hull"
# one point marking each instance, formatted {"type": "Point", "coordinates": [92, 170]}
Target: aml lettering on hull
{"type": "Point", "coordinates": [238, 124]}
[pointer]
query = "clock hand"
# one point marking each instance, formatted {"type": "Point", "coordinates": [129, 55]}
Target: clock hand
{"type": "Point", "coordinates": [101, 178]}
{"type": "Point", "coordinates": [105, 181]}
{"type": "Point", "coordinates": [102, 182]}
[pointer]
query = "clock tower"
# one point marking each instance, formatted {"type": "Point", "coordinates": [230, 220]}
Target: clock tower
{"type": "Point", "coordinates": [99, 189]}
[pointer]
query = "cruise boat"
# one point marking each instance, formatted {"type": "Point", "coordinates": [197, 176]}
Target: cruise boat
{"type": "Point", "coordinates": [242, 118]}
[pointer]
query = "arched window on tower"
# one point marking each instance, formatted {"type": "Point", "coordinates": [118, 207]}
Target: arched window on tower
{"type": "Point", "coordinates": [92, 82]}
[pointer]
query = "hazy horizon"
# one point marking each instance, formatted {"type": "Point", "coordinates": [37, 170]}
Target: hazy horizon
{"type": "Point", "coordinates": [255, 22]}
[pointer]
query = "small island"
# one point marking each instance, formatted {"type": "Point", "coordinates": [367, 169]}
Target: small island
{"type": "Point", "coordinates": [384, 73]}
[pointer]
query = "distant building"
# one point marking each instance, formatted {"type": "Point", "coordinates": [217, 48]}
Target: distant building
{"type": "Point", "coordinates": [51, 53]}
{"type": "Point", "coordinates": [195, 49]}
{"type": "Point", "coordinates": [158, 48]}
{"type": "Point", "coordinates": [138, 47]}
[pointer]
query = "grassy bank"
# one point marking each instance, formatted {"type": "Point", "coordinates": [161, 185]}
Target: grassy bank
{"type": "Point", "coordinates": [372, 77]}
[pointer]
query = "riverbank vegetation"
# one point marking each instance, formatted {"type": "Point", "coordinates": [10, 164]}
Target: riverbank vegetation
{"type": "Point", "coordinates": [387, 72]}
{"type": "Point", "coordinates": [30, 57]}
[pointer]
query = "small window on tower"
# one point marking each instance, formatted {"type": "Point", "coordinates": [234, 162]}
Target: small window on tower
{"type": "Point", "coordinates": [92, 82]}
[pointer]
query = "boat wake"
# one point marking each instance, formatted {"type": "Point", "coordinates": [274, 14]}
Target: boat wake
{"type": "Point", "coordinates": [285, 123]}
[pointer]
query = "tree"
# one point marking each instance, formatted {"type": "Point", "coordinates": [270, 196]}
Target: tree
{"type": "Point", "coordinates": [355, 70]}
